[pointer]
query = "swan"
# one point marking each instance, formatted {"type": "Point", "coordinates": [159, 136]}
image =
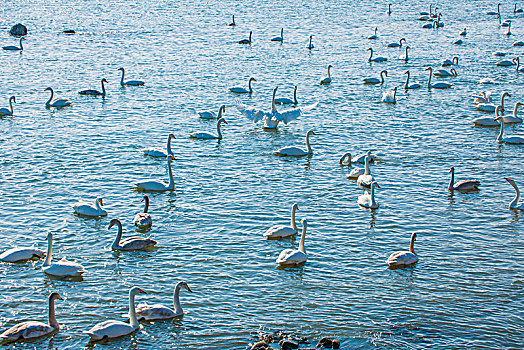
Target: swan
{"type": "Point", "coordinates": [211, 114]}
{"type": "Point", "coordinates": [438, 23]}
{"type": "Point", "coordinates": [390, 96]}
{"type": "Point", "coordinates": [241, 90]}
{"type": "Point", "coordinates": [15, 48]}
{"type": "Point", "coordinates": [289, 257]}
{"type": "Point", "coordinates": [518, 43]}
{"type": "Point", "coordinates": [513, 119]}
{"type": "Point", "coordinates": [488, 121]}
{"type": "Point", "coordinates": [464, 32]}
{"type": "Point", "coordinates": [310, 45]}
{"type": "Point", "coordinates": [436, 85]}
{"type": "Point", "coordinates": [458, 42]}
{"type": "Point", "coordinates": [517, 59]}
{"type": "Point", "coordinates": [355, 172]}
{"type": "Point", "coordinates": [295, 151]}
{"type": "Point", "coordinates": [95, 92]}
{"type": "Point", "coordinates": [288, 101]}
{"type": "Point", "coordinates": [389, 9]}
{"type": "Point", "coordinates": [408, 86]}
{"type": "Point", "coordinates": [327, 81]}
{"type": "Point", "coordinates": [492, 13]}
{"type": "Point", "coordinates": [361, 158]}
{"type": "Point", "coordinates": [482, 97]}
{"type": "Point", "coordinates": [115, 329]}
{"type": "Point", "coordinates": [464, 185]}
{"type": "Point", "coordinates": [430, 25]}
{"type": "Point", "coordinates": [157, 152]}
{"type": "Point", "coordinates": [86, 209]}
{"type": "Point", "coordinates": [516, 10]}
{"type": "Point", "coordinates": [279, 38]}
{"type": "Point", "coordinates": [514, 204]}
{"type": "Point", "coordinates": [158, 186]}
{"type": "Point", "coordinates": [61, 268]}
{"type": "Point", "coordinates": [33, 329]}
{"type": "Point", "coordinates": [283, 231]}
{"type": "Point", "coordinates": [491, 107]}
{"type": "Point", "coordinates": [208, 136]}
{"type": "Point", "coordinates": [505, 23]}
{"type": "Point", "coordinates": [374, 36]}
{"type": "Point", "coordinates": [445, 73]}
{"type": "Point", "coordinates": [404, 258]}
{"type": "Point", "coordinates": [498, 53]}
{"type": "Point", "coordinates": [434, 14]}
{"type": "Point", "coordinates": [232, 24]}
{"type": "Point", "coordinates": [145, 312]}
{"type": "Point", "coordinates": [448, 62]}
{"type": "Point", "coordinates": [21, 254]}
{"type": "Point", "coordinates": [509, 29]}
{"type": "Point", "coordinates": [515, 140]}
{"type": "Point", "coordinates": [59, 102]}
{"type": "Point", "coordinates": [376, 59]}
{"type": "Point", "coordinates": [129, 82]}
{"type": "Point", "coordinates": [131, 243]}
{"type": "Point", "coordinates": [376, 80]}
{"type": "Point", "coordinates": [424, 13]}
{"type": "Point", "coordinates": [246, 41]}
{"type": "Point", "coordinates": [368, 200]}
{"type": "Point", "coordinates": [487, 81]}
{"type": "Point", "coordinates": [5, 111]}
{"type": "Point", "coordinates": [143, 220]}
{"type": "Point", "coordinates": [395, 44]}
{"type": "Point", "coordinates": [365, 179]}
{"type": "Point", "coordinates": [506, 63]}
{"type": "Point", "coordinates": [406, 57]}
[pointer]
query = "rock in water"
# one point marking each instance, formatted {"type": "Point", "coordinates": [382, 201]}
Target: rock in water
{"type": "Point", "coordinates": [328, 343]}
{"type": "Point", "coordinates": [288, 344]}
{"type": "Point", "coordinates": [18, 30]}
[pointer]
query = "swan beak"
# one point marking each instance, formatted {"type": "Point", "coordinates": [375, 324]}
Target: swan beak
{"type": "Point", "coordinates": [172, 157]}
{"type": "Point", "coordinates": [189, 289]}
{"type": "Point", "coordinates": [507, 179]}
{"type": "Point", "coordinates": [313, 133]}
{"type": "Point", "coordinates": [376, 185]}
{"type": "Point", "coordinates": [141, 291]}
{"type": "Point", "coordinates": [225, 122]}
{"type": "Point", "coordinates": [59, 297]}
{"type": "Point", "coordinates": [451, 170]}
{"type": "Point", "coordinates": [101, 201]}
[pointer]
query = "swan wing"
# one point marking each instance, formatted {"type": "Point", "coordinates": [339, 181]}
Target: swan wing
{"type": "Point", "coordinates": [292, 114]}
{"type": "Point", "coordinates": [111, 329]}
{"type": "Point", "coordinates": [64, 268]}
{"type": "Point", "coordinates": [154, 312]}
{"type": "Point", "coordinates": [289, 257]}
{"type": "Point", "coordinates": [20, 254]}
{"type": "Point", "coordinates": [252, 113]}
{"type": "Point", "coordinates": [402, 258]}
{"type": "Point", "coordinates": [467, 185]}
{"type": "Point", "coordinates": [26, 330]}
{"type": "Point", "coordinates": [136, 243]}
{"type": "Point", "coordinates": [279, 231]}
{"type": "Point", "coordinates": [151, 186]}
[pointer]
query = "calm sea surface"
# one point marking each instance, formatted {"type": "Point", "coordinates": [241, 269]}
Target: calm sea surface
{"type": "Point", "coordinates": [466, 291]}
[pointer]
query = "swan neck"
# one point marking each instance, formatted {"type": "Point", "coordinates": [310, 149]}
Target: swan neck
{"type": "Point", "coordinates": [366, 166]}
{"type": "Point", "coordinates": [169, 151]}
{"type": "Point", "coordinates": [219, 132]}
{"type": "Point", "coordinates": [382, 77]}
{"type": "Point", "coordinates": [52, 317]}
{"type": "Point", "coordinates": [407, 81]}
{"type": "Point", "coordinates": [515, 110]}
{"type": "Point", "coordinates": [406, 53]}
{"type": "Point", "coordinates": [301, 246]}
{"type": "Point", "coordinates": [373, 194]}
{"type": "Point", "coordinates": [329, 72]}
{"type": "Point", "coordinates": [249, 85]}
{"type": "Point", "coordinates": [11, 105]}
{"type": "Point", "coordinates": [370, 54]}
{"type": "Point", "coordinates": [309, 150]}
{"type": "Point", "coordinates": [295, 101]}
{"type": "Point", "coordinates": [429, 80]}
{"type": "Point", "coordinates": [118, 236]}
{"type": "Point", "coordinates": [103, 88]}
{"type": "Point", "coordinates": [176, 300]}
{"type": "Point", "coordinates": [452, 180]}
{"type": "Point", "coordinates": [97, 204]}
{"type": "Point", "coordinates": [293, 223]}
{"type": "Point", "coordinates": [133, 322]}
{"type": "Point", "coordinates": [502, 100]}
{"type": "Point", "coordinates": [273, 106]}
{"type": "Point", "coordinates": [21, 47]}
{"type": "Point", "coordinates": [122, 77]}
{"type": "Point", "coordinates": [515, 200]}
{"type": "Point", "coordinates": [501, 133]}
{"type": "Point", "coordinates": [146, 206]}
{"type": "Point", "coordinates": [49, 256]}
{"type": "Point", "coordinates": [50, 98]}
{"type": "Point", "coordinates": [412, 245]}
{"type": "Point", "coordinates": [171, 184]}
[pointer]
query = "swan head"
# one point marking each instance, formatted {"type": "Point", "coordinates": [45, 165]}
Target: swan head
{"type": "Point", "coordinates": [145, 197]}
{"type": "Point", "coordinates": [519, 104]}
{"type": "Point", "coordinates": [295, 88]}
{"type": "Point", "coordinates": [275, 91]}
{"type": "Point", "coordinates": [104, 80]}
{"type": "Point", "coordinates": [330, 66]}
{"type": "Point", "coordinates": [223, 108]}
{"type": "Point", "coordinates": [12, 98]}
{"type": "Point", "coordinates": [55, 296]}
{"type": "Point", "coordinates": [369, 49]}
{"type": "Point", "coordinates": [183, 284]}
{"type": "Point", "coordinates": [348, 155]}
{"type": "Point", "coordinates": [402, 40]}
{"type": "Point", "coordinates": [172, 136]}
{"type": "Point", "coordinates": [407, 47]}
{"type": "Point", "coordinates": [451, 170]}
{"type": "Point", "coordinates": [252, 79]}
{"type": "Point", "coordinates": [294, 206]}
{"type": "Point", "coordinates": [135, 290]}
{"type": "Point", "coordinates": [114, 222]}
{"type": "Point", "coordinates": [304, 223]}
{"type": "Point", "coordinates": [48, 89]}
{"type": "Point", "coordinates": [430, 69]}
{"type": "Point", "coordinates": [49, 236]}
{"type": "Point", "coordinates": [414, 236]}
{"type": "Point", "coordinates": [121, 69]}
{"type": "Point", "coordinates": [506, 94]}
{"type": "Point", "coordinates": [310, 132]}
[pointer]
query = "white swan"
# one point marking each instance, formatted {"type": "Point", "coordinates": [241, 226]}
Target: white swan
{"type": "Point", "coordinates": [368, 200]}
{"type": "Point", "coordinates": [157, 152]}
{"type": "Point", "coordinates": [493, 13]}
{"type": "Point", "coordinates": [409, 86]}
{"type": "Point", "coordinates": [376, 59]}
{"type": "Point", "coordinates": [406, 57]}
{"type": "Point", "coordinates": [436, 85]}
{"type": "Point", "coordinates": [212, 114]}
{"type": "Point", "coordinates": [208, 136]}
{"type": "Point", "coordinates": [487, 81]}
{"type": "Point", "coordinates": [516, 10]}
{"type": "Point", "coordinates": [232, 24]}
{"type": "Point", "coordinates": [116, 329]}
{"type": "Point", "coordinates": [21, 254]}
{"type": "Point", "coordinates": [513, 119]}
{"type": "Point", "coordinates": [283, 231]}
{"type": "Point", "coordinates": [279, 38]}
{"type": "Point", "coordinates": [498, 54]}
{"type": "Point", "coordinates": [95, 92]}
{"type": "Point", "coordinates": [505, 63]}
{"type": "Point", "coordinates": [86, 209]}
{"type": "Point", "coordinates": [5, 111]}
{"type": "Point", "coordinates": [15, 48]}
{"type": "Point", "coordinates": [129, 82]}
{"type": "Point", "coordinates": [365, 179]}
{"type": "Point", "coordinates": [241, 90]}
{"type": "Point", "coordinates": [295, 151]}
{"type": "Point", "coordinates": [445, 73]}
{"type": "Point", "coordinates": [464, 32]}
{"type": "Point", "coordinates": [288, 101]}
{"type": "Point", "coordinates": [390, 96]}
{"type": "Point", "coordinates": [515, 140]}
{"type": "Point", "coordinates": [482, 97]}
{"type": "Point", "coordinates": [61, 268]}
{"type": "Point", "coordinates": [327, 81]}
{"type": "Point", "coordinates": [131, 243]}
{"type": "Point", "coordinates": [33, 329]}
{"type": "Point", "coordinates": [145, 312]}
{"type": "Point", "coordinates": [450, 62]}
{"type": "Point", "coordinates": [404, 258]}
{"type": "Point", "coordinates": [424, 13]}
{"type": "Point", "coordinates": [505, 23]}
{"type": "Point", "coordinates": [464, 185]}
{"type": "Point", "coordinates": [438, 22]}
{"type": "Point", "coordinates": [361, 158]}
{"type": "Point", "coordinates": [458, 42]}
{"type": "Point", "coordinates": [491, 107]}
{"type": "Point", "coordinates": [355, 172]}
{"type": "Point", "coordinates": [310, 45]}
{"type": "Point", "coordinates": [246, 41]}
{"type": "Point", "coordinates": [514, 204]}
{"type": "Point", "coordinates": [374, 36]}
{"type": "Point", "coordinates": [143, 220]}
{"type": "Point", "coordinates": [395, 44]}
{"type": "Point", "coordinates": [290, 257]}
{"type": "Point", "coordinates": [521, 70]}
{"type": "Point", "coordinates": [376, 80]}
{"type": "Point", "coordinates": [59, 102]}
{"type": "Point", "coordinates": [488, 121]}
{"type": "Point", "coordinates": [158, 186]}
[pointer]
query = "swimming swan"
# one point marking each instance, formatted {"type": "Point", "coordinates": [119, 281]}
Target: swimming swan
{"type": "Point", "coordinates": [58, 103]}
{"type": "Point", "coordinates": [515, 139]}
{"type": "Point", "coordinates": [61, 268]}
{"type": "Point", "coordinates": [86, 209]}
{"type": "Point", "coordinates": [131, 243]}
{"type": "Point", "coordinates": [145, 312]}
{"type": "Point", "coordinates": [241, 90]}
{"type": "Point", "coordinates": [283, 231]}
{"type": "Point", "coordinates": [143, 220]}
{"type": "Point", "coordinates": [129, 82]}
{"type": "Point", "coordinates": [158, 186]}
{"type": "Point", "coordinates": [404, 258]}
{"type": "Point", "coordinates": [91, 92]}
{"type": "Point", "coordinates": [368, 200]}
{"type": "Point", "coordinates": [464, 185]}
{"type": "Point", "coordinates": [157, 152]}
{"type": "Point", "coordinates": [514, 204]}
{"type": "Point", "coordinates": [5, 111]}
{"type": "Point", "coordinates": [209, 136]}
{"type": "Point", "coordinates": [295, 151]}
{"type": "Point", "coordinates": [291, 257]}
{"type": "Point", "coordinates": [376, 80]}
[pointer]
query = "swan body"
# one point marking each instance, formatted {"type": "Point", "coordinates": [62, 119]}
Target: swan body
{"type": "Point", "coordinates": [131, 243]}
{"type": "Point", "coordinates": [310, 46]}
{"type": "Point", "coordinates": [374, 36]}
{"type": "Point", "coordinates": [361, 158]}
{"type": "Point", "coordinates": [482, 97]}
{"type": "Point", "coordinates": [129, 82]}
{"type": "Point", "coordinates": [518, 43]}
{"type": "Point", "coordinates": [61, 268]}
{"type": "Point", "coordinates": [399, 44]}
{"type": "Point", "coordinates": [448, 62]}
{"type": "Point", "coordinates": [409, 86]}
{"type": "Point", "coordinates": [246, 41]}
{"type": "Point", "coordinates": [491, 107]}
{"type": "Point", "coordinates": [365, 179]}
{"type": "Point", "coordinates": [390, 96]}
{"type": "Point", "coordinates": [21, 254]}
{"type": "Point", "coordinates": [208, 136]}
{"type": "Point", "coordinates": [158, 186]}
{"type": "Point", "coordinates": [458, 42]}
{"type": "Point", "coordinates": [376, 59]}
{"type": "Point", "coordinates": [515, 140]}
{"type": "Point", "coordinates": [493, 13]}
{"type": "Point", "coordinates": [327, 81]}
{"type": "Point", "coordinates": [376, 80]}
{"type": "Point", "coordinates": [516, 10]}
{"type": "Point", "coordinates": [445, 73]}
{"type": "Point", "coordinates": [464, 32]}
{"type": "Point", "coordinates": [5, 111]}
{"type": "Point", "coordinates": [295, 151]}
{"type": "Point", "coordinates": [290, 257]}
{"type": "Point", "coordinates": [513, 118]}
{"type": "Point", "coordinates": [59, 102]}
{"type": "Point", "coordinates": [436, 85]}
{"type": "Point", "coordinates": [367, 200]}
{"type": "Point", "coordinates": [143, 220]}
{"type": "Point", "coordinates": [283, 231]}
{"type": "Point", "coordinates": [93, 210]}
{"type": "Point", "coordinates": [488, 121]}
{"type": "Point", "coordinates": [95, 92]}
{"type": "Point", "coordinates": [506, 63]}
{"type": "Point", "coordinates": [15, 48]}
{"type": "Point", "coordinates": [157, 152]}
{"type": "Point", "coordinates": [211, 114]}
{"type": "Point", "coordinates": [487, 81]}
{"type": "Point", "coordinates": [145, 312]}
{"type": "Point", "coordinates": [424, 13]}
{"type": "Point", "coordinates": [288, 101]}
{"type": "Point", "coordinates": [464, 185]}
{"type": "Point", "coordinates": [241, 90]}
{"type": "Point", "coordinates": [404, 258]}
{"type": "Point", "coordinates": [514, 204]}
{"type": "Point", "coordinates": [279, 38]}
{"type": "Point", "coordinates": [116, 329]}
{"type": "Point", "coordinates": [33, 329]}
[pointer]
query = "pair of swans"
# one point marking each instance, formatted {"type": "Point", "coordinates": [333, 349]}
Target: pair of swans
{"type": "Point", "coordinates": [157, 152]}
{"type": "Point", "coordinates": [488, 121]}
{"type": "Point", "coordinates": [131, 243]}
{"type": "Point", "coordinates": [143, 220]}
{"type": "Point", "coordinates": [327, 81]}
{"type": "Point", "coordinates": [464, 185]}
{"type": "Point", "coordinates": [296, 151]}
{"type": "Point", "coordinates": [279, 38]}
{"type": "Point", "coordinates": [5, 111]}
{"type": "Point", "coordinates": [209, 136]}
{"type": "Point", "coordinates": [376, 80]}
{"type": "Point", "coordinates": [436, 85]}
{"type": "Point", "coordinates": [514, 204]}
{"type": "Point", "coordinates": [366, 179]}
{"type": "Point", "coordinates": [409, 86]}
{"type": "Point", "coordinates": [359, 158]}
{"type": "Point", "coordinates": [390, 96]}
{"type": "Point", "coordinates": [293, 257]}
{"type": "Point", "coordinates": [356, 171]}
{"type": "Point", "coordinates": [158, 186]}
{"type": "Point", "coordinates": [15, 48]}
{"type": "Point", "coordinates": [404, 258]}
{"type": "Point", "coordinates": [241, 90]}
{"type": "Point", "coordinates": [129, 82]}
{"type": "Point", "coordinates": [288, 101]}
{"type": "Point", "coordinates": [450, 62]}
{"type": "Point", "coordinates": [91, 92]}
{"type": "Point", "coordinates": [487, 106]}
{"type": "Point", "coordinates": [30, 330]}
{"type": "Point", "coordinates": [515, 139]}
{"type": "Point", "coordinates": [375, 59]}
{"type": "Point", "coordinates": [58, 103]}
{"type": "Point", "coordinates": [61, 268]}
{"type": "Point", "coordinates": [444, 73]}
{"type": "Point", "coordinates": [91, 210]}
{"type": "Point", "coordinates": [395, 44]}
{"type": "Point", "coordinates": [368, 200]}
{"type": "Point", "coordinates": [212, 114]}
{"type": "Point", "coordinates": [20, 254]}
{"type": "Point", "coordinates": [283, 231]}
{"type": "Point", "coordinates": [246, 41]}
